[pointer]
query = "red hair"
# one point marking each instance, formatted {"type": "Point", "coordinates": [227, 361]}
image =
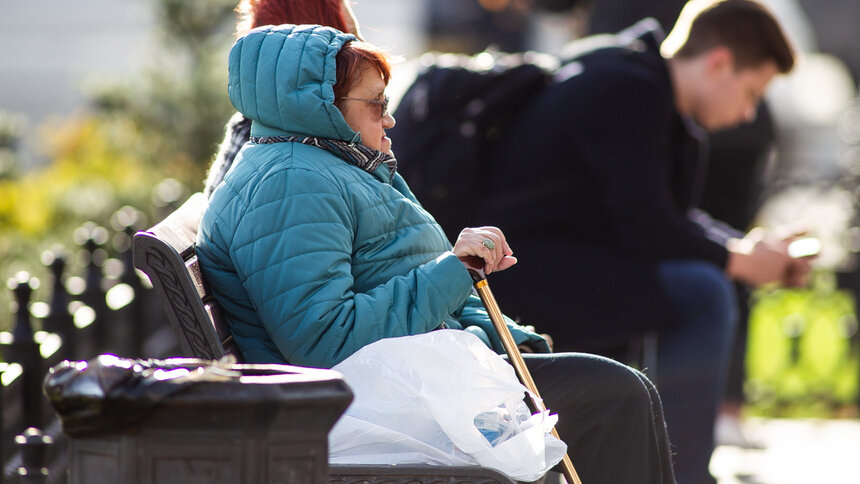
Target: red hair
{"type": "Point", "coordinates": [352, 59]}
{"type": "Point", "coordinates": [254, 13]}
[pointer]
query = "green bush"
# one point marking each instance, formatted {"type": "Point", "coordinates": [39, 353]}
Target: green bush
{"type": "Point", "coordinates": [162, 123]}
{"type": "Point", "coordinates": [93, 173]}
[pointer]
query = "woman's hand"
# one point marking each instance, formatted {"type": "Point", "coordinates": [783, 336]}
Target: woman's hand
{"type": "Point", "coordinates": [489, 244]}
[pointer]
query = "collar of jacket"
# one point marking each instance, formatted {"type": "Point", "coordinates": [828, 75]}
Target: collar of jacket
{"type": "Point", "coordinates": [381, 165]}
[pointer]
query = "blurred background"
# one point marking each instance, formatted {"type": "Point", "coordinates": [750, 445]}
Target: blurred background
{"type": "Point", "coordinates": [111, 110]}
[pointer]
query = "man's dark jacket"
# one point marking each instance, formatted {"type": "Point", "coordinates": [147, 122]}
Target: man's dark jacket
{"type": "Point", "coordinates": [593, 186]}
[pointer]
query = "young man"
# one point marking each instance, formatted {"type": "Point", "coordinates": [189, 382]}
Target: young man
{"type": "Point", "coordinates": [598, 181]}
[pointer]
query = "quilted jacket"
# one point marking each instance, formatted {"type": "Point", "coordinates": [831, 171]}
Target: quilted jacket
{"type": "Point", "coordinates": [312, 257]}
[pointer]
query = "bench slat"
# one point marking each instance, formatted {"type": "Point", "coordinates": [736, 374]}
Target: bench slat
{"type": "Point", "coordinates": [165, 253]}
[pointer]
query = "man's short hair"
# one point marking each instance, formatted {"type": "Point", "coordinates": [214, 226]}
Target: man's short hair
{"type": "Point", "coordinates": [746, 27]}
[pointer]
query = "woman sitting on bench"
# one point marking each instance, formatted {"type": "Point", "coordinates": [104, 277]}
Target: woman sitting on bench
{"type": "Point", "coordinates": [315, 247]}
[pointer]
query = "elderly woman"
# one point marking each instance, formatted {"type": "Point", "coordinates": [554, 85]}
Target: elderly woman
{"type": "Point", "coordinates": [315, 247]}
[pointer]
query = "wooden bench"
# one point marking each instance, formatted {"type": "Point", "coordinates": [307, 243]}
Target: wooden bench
{"type": "Point", "coordinates": [166, 254]}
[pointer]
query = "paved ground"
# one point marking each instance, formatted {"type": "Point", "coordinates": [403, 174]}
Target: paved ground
{"type": "Point", "coordinates": [796, 451]}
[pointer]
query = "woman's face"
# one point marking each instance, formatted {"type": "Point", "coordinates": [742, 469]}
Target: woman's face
{"type": "Point", "coordinates": [364, 113]}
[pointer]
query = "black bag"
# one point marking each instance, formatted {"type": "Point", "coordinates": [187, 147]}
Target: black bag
{"type": "Point", "coordinates": [456, 107]}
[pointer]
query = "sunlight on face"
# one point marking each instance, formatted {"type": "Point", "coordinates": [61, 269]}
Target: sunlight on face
{"type": "Point", "coordinates": [366, 117]}
{"type": "Point", "coordinates": [734, 96]}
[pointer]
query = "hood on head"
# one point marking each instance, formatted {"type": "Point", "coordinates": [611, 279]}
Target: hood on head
{"type": "Point", "coordinates": [282, 78]}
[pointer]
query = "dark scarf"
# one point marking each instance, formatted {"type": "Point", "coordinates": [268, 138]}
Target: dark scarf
{"type": "Point", "coordinates": [368, 159]}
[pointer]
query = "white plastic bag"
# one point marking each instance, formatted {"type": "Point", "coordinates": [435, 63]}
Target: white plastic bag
{"type": "Point", "coordinates": [418, 400]}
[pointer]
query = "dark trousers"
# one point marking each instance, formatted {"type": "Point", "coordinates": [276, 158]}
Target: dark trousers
{"type": "Point", "coordinates": [737, 364]}
{"type": "Point", "coordinates": [692, 360]}
{"type": "Point", "coordinates": [610, 416]}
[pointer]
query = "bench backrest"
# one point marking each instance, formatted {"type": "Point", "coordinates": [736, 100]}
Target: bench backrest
{"type": "Point", "coordinates": [165, 253]}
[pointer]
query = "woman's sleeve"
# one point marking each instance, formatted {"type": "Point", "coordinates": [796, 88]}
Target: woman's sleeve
{"type": "Point", "coordinates": [474, 314]}
{"type": "Point", "coordinates": [295, 259]}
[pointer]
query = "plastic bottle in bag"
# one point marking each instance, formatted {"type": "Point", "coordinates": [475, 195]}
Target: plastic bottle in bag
{"type": "Point", "coordinates": [498, 425]}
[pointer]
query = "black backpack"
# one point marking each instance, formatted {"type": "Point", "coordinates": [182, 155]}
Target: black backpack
{"type": "Point", "coordinates": [454, 109]}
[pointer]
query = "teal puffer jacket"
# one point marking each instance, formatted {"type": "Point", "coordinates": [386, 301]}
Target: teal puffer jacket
{"type": "Point", "coordinates": [312, 257]}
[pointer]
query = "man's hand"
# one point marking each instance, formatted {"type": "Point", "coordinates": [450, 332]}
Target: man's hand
{"type": "Point", "coordinates": [755, 262]}
{"type": "Point", "coordinates": [760, 258]}
{"type": "Point", "coordinates": [803, 252]}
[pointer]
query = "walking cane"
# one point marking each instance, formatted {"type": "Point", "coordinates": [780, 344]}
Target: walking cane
{"type": "Point", "coordinates": [475, 265]}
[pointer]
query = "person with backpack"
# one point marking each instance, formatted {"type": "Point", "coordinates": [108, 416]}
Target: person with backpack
{"type": "Point", "coordinates": [315, 247]}
{"type": "Point", "coordinates": [734, 189]}
{"type": "Point", "coordinates": [597, 181]}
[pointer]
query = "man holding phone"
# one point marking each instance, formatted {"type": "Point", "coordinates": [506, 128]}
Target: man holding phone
{"type": "Point", "coordinates": [598, 179]}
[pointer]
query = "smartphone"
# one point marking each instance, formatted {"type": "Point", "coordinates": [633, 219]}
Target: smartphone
{"type": "Point", "coordinates": [804, 247]}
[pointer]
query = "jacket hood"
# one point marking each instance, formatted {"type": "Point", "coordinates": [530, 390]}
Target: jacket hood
{"type": "Point", "coordinates": [282, 78]}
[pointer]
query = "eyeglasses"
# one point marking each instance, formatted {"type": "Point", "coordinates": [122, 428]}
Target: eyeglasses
{"type": "Point", "coordinates": [383, 105]}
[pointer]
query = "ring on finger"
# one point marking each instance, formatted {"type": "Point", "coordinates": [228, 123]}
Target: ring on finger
{"type": "Point", "coordinates": [488, 243]}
